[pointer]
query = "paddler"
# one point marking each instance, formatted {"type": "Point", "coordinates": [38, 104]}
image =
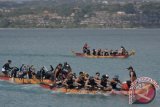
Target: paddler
{"type": "Point", "coordinates": [91, 84]}
{"type": "Point", "coordinates": [56, 76]}
{"type": "Point", "coordinates": [114, 82]}
{"type": "Point", "coordinates": [14, 72]}
{"type": "Point", "coordinates": [104, 83]}
{"type": "Point", "coordinates": [69, 82]}
{"type": "Point", "coordinates": [6, 67]}
{"type": "Point", "coordinates": [80, 81]}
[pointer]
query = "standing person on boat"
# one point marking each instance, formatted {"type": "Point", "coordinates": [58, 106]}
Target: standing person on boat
{"type": "Point", "coordinates": [132, 75]}
{"type": "Point", "coordinates": [6, 67]}
{"type": "Point", "coordinates": [85, 48]}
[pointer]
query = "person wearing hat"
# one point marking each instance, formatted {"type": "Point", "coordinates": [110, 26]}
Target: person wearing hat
{"type": "Point", "coordinates": [104, 83]}
{"type": "Point", "coordinates": [6, 67]}
{"type": "Point", "coordinates": [114, 82]}
{"type": "Point", "coordinates": [132, 75]}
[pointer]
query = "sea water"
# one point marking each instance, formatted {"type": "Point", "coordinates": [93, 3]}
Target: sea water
{"type": "Point", "coordinates": [44, 47]}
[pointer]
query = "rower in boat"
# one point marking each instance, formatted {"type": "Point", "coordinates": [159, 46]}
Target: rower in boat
{"type": "Point", "coordinates": [97, 78]}
{"type": "Point", "coordinates": [106, 52]}
{"type": "Point", "coordinates": [69, 82]}
{"type": "Point", "coordinates": [57, 76]}
{"type": "Point", "coordinates": [66, 69]}
{"type": "Point", "coordinates": [80, 82]}
{"type": "Point", "coordinates": [14, 72]}
{"type": "Point", "coordinates": [104, 83]}
{"type": "Point", "coordinates": [114, 82]}
{"type": "Point", "coordinates": [41, 73]}
{"type": "Point", "coordinates": [94, 53]}
{"type": "Point", "coordinates": [91, 84]}
{"type": "Point", "coordinates": [81, 79]}
{"type": "Point", "coordinates": [48, 74]}
{"type": "Point", "coordinates": [6, 68]}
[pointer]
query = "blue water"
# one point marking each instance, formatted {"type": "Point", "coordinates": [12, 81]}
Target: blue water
{"type": "Point", "coordinates": [52, 46]}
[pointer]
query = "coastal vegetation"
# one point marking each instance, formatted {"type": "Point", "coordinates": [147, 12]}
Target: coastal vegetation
{"type": "Point", "coordinates": [81, 13]}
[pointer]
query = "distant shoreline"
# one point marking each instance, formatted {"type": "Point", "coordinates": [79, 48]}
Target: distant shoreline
{"type": "Point", "coordinates": [81, 28]}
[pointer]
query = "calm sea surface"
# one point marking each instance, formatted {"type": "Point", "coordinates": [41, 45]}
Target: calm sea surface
{"type": "Point", "coordinates": [44, 47]}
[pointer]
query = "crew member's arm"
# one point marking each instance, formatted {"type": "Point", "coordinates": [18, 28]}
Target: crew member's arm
{"type": "Point", "coordinates": [76, 82]}
{"type": "Point", "coordinates": [65, 83]}
{"type": "Point", "coordinates": [86, 84]}
{"type": "Point", "coordinates": [55, 74]}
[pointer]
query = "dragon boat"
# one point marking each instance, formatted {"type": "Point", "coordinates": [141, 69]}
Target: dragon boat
{"type": "Point", "coordinates": [78, 54]}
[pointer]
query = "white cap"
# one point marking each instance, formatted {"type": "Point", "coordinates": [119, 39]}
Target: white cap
{"type": "Point", "coordinates": [107, 75]}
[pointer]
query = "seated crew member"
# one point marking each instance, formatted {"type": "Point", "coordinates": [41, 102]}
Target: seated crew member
{"type": "Point", "coordinates": [114, 82]}
{"type": "Point", "coordinates": [86, 77]}
{"type": "Point", "coordinates": [80, 81]}
{"type": "Point", "coordinates": [14, 72]}
{"type": "Point", "coordinates": [31, 71]}
{"type": "Point", "coordinates": [48, 74]}
{"type": "Point", "coordinates": [23, 72]}
{"type": "Point", "coordinates": [88, 52]}
{"type": "Point", "coordinates": [69, 82]}
{"type": "Point", "coordinates": [6, 68]}
{"type": "Point", "coordinates": [57, 72]}
{"type": "Point", "coordinates": [106, 53]}
{"type": "Point", "coordinates": [94, 52]}
{"type": "Point", "coordinates": [104, 83]}
{"type": "Point", "coordinates": [56, 76]}
{"type": "Point", "coordinates": [66, 69]}
{"type": "Point", "coordinates": [41, 74]}
{"type": "Point", "coordinates": [99, 53]}
{"type": "Point", "coordinates": [91, 84]}
{"type": "Point", "coordinates": [97, 78]}
{"type": "Point", "coordinates": [111, 52]}
{"type": "Point", "coordinates": [115, 52]}
{"type": "Point", "coordinates": [123, 51]}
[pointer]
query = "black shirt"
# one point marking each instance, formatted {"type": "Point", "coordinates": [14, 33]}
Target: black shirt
{"type": "Point", "coordinates": [6, 66]}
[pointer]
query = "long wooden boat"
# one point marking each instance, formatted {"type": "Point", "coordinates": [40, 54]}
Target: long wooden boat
{"type": "Point", "coordinates": [81, 91]}
{"type": "Point", "coordinates": [24, 80]}
{"type": "Point", "coordinates": [132, 52]}
{"type": "Point", "coordinates": [142, 96]}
